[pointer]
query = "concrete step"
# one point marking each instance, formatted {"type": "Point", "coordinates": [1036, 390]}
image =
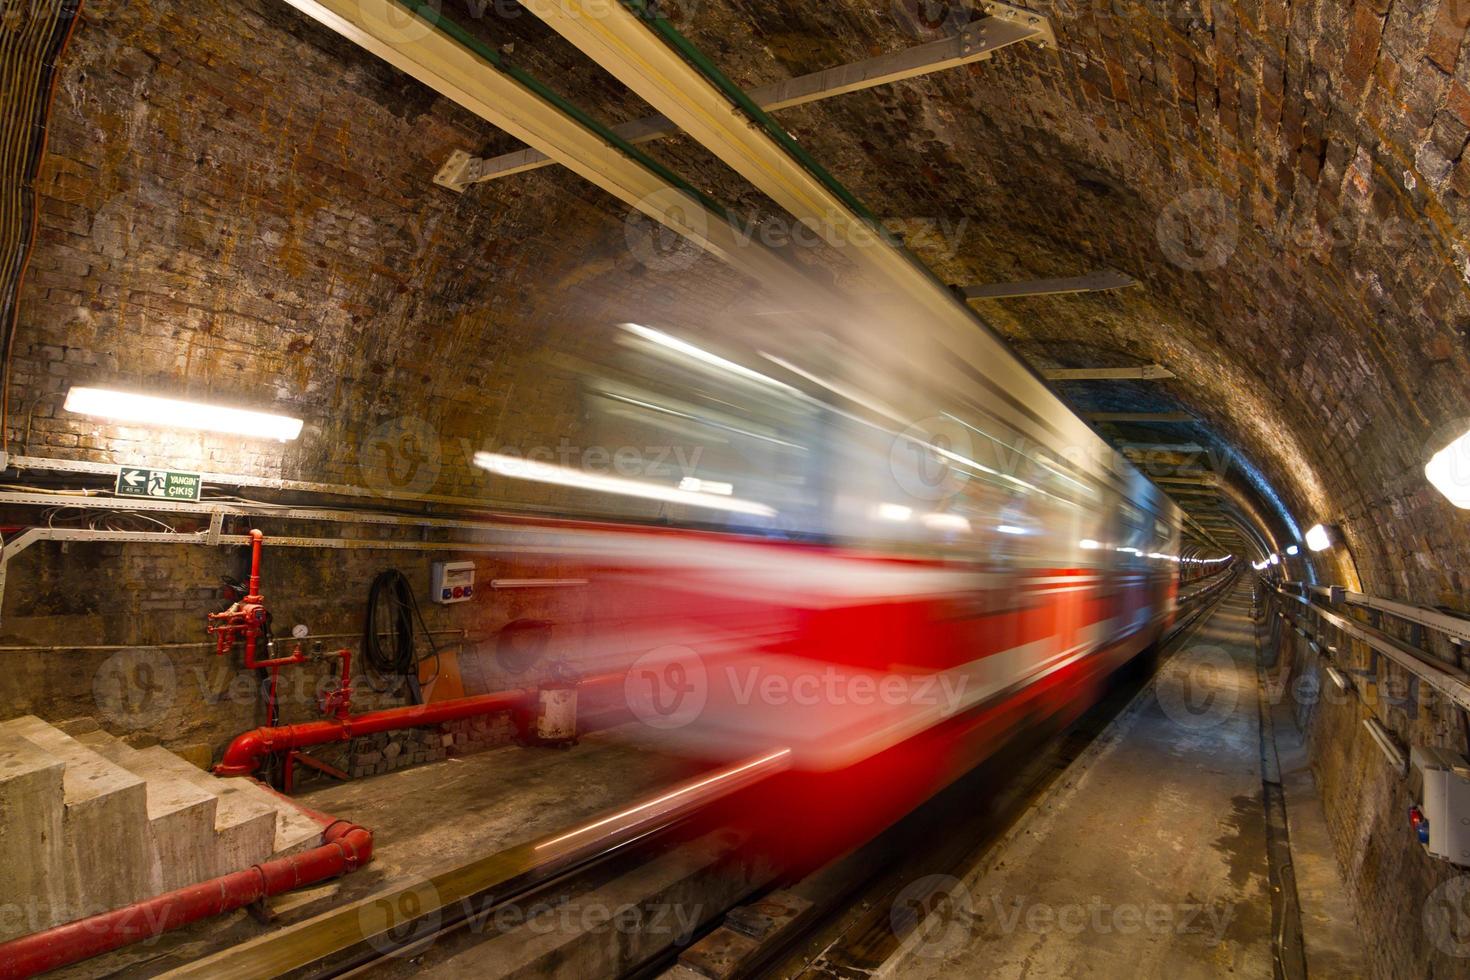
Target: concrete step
{"type": "Point", "coordinates": [104, 810]}
{"type": "Point", "coordinates": [244, 824]}
{"type": "Point", "coordinates": [295, 831]}
{"type": "Point", "coordinates": [181, 816]}
{"type": "Point", "coordinates": [32, 840]}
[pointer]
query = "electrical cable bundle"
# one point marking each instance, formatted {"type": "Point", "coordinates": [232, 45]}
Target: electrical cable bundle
{"type": "Point", "coordinates": [392, 610]}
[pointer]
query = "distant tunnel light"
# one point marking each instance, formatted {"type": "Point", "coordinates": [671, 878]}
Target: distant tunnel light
{"type": "Point", "coordinates": [1010, 529]}
{"type": "Point", "coordinates": [171, 413]}
{"type": "Point", "coordinates": [1275, 559]}
{"type": "Point", "coordinates": [1293, 550]}
{"type": "Point", "coordinates": [1318, 538]}
{"type": "Point", "coordinates": [518, 468]}
{"type": "Point", "coordinates": [1088, 544]}
{"type": "Point", "coordinates": [1449, 471]}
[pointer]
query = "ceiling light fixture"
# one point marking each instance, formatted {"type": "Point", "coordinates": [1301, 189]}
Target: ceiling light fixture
{"type": "Point", "coordinates": [172, 413]}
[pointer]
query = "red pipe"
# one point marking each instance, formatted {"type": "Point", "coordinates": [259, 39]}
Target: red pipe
{"type": "Point", "coordinates": [345, 847]}
{"type": "Point", "coordinates": [243, 755]}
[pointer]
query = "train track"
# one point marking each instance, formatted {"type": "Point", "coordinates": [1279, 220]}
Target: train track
{"type": "Point", "coordinates": [384, 933]}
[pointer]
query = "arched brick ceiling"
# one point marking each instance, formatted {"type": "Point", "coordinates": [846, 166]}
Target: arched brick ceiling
{"type": "Point", "coordinates": [1284, 178]}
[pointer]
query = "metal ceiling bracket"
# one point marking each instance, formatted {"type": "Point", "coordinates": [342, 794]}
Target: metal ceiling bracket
{"type": "Point", "coordinates": [976, 42]}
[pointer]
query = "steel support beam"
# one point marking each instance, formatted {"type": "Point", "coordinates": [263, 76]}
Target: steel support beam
{"type": "Point", "coordinates": [666, 77]}
{"type": "Point", "coordinates": [1147, 372]}
{"type": "Point", "coordinates": [1102, 280]}
{"type": "Point", "coordinates": [976, 42]}
{"type": "Point", "coordinates": [1141, 448]}
{"type": "Point", "coordinates": [414, 45]}
{"type": "Point", "coordinates": [1147, 418]}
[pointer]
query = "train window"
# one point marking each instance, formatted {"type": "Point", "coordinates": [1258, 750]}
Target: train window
{"type": "Point", "coordinates": [739, 445]}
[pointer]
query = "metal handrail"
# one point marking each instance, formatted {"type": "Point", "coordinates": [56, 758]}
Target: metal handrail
{"type": "Point", "coordinates": [1449, 680]}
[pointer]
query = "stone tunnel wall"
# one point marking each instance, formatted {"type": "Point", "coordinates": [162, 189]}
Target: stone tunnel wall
{"type": "Point", "coordinates": [234, 196]}
{"type": "Point", "coordinates": [238, 207]}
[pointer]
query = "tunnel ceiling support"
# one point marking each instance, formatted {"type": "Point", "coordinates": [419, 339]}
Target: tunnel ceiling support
{"type": "Point", "coordinates": [424, 51]}
{"type": "Point", "coordinates": [628, 47]}
{"type": "Point", "coordinates": [1146, 372]}
{"type": "Point", "coordinates": [1104, 280]}
{"type": "Point", "coordinates": [973, 43]}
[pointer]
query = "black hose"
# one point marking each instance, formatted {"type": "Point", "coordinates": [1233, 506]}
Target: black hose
{"type": "Point", "coordinates": [392, 609]}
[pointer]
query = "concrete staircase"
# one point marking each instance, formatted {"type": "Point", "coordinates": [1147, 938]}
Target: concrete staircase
{"type": "Point", "coordinates": [88, 823]}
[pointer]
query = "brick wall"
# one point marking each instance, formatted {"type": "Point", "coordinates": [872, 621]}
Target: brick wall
{"type": "Point", "coordinates": [235, 197]}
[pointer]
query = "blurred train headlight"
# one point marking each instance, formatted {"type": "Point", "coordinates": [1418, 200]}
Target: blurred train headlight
{"type": "Point", "coordinates": [893, 512]}
{"type": "Point", "coordinates": [1087, 544]}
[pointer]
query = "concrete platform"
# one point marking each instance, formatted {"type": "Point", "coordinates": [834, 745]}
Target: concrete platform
{"type": "Point", "coordinates": [1149, 859]}
{"type": "Point", "coordinates": [32, 842]}
{"type": "Point", "coordinates": [430, 817]}
{"type": "Point", "coordinates": [180, 816]}
{"type": "Point", "coordinates": [104, 815]}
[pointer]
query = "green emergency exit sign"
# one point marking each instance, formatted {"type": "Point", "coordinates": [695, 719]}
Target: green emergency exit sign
{"type": "Point", "coordinates": [134, 481]}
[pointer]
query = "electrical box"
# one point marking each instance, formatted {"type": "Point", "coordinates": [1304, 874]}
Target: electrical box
{"type": "Point", "coordinates": [453, 581]}
{"type": "Point", "coordinates": [1442, 820]}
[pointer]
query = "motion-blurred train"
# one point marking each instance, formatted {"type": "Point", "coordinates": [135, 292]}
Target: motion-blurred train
{"type": "Point", "coordinates": [880, 548]}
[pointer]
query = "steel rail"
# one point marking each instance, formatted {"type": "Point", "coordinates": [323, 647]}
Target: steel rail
{"type": "Point", "coordinates": [373, 927]}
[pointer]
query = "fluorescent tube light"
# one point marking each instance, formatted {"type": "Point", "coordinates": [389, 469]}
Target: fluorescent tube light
{"type": "Point", "coordinates": [172, 413]}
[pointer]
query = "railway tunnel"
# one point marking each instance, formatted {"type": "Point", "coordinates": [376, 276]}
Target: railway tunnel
{"type": "Point", "coordinates": [702, 488]}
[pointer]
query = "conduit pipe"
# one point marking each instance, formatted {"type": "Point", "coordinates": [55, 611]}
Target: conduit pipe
{"type": "Point", "coordinates": [244, 754]}
{"type": "Point", "coordinates": [345, 847]}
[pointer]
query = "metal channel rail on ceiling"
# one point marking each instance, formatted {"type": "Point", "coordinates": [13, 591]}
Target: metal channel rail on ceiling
{"type": "Point", "coordinates": [414, 36]}
{"type": "Point", "coordinates": [1445, 678]}
{"type": "Point", "coordinates": [643, 51]}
